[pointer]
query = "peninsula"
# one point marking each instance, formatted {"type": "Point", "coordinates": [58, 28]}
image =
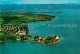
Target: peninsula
{"type": "Point", "coordinates": [13, 27]}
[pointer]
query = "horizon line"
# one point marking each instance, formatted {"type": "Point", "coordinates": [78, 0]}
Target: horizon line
{"type": "Point", "coordinates": [34, 4]}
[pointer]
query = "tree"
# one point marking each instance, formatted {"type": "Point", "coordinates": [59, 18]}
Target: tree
{"type": "Point", "coordinates": [47, 41]}
{"type": "Point", "coordinates": [22, 37]}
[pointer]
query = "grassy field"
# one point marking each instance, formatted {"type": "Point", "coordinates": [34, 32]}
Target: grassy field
{"type": "Point", "coordinates": [1, 20]}
{"type": "Point", "coordinates": [13, 18]}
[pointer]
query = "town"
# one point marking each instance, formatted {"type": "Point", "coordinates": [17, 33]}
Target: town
{"type": "Point", "coordinates": [20, 32]}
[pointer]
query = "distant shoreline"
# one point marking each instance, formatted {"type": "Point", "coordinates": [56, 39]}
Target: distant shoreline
{"type": "Point", "coordinates": [69, 9]}
{"type": "Point", "coordinates": [50, 12]}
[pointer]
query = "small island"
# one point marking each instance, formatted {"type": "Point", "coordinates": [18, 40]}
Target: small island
{"type": "Point", "coordinates": [13, 27]}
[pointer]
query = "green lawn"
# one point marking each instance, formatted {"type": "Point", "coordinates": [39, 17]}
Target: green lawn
{"type": "Point", "coordinates": [13, 18]}
{"type": "Point", "coordinates": [1, 20]}
{"type": "Point", "coordinates": [1, 33]}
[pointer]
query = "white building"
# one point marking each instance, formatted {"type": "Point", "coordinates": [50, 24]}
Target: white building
{"type": "Point", "coordinates": [21, 32]}
{"type": "Point", "coordinates": [57, 37]}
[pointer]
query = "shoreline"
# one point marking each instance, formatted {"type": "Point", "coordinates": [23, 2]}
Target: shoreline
{"type": "Point", "coordinates": [31, 41]}
{"type": "Point", "coordinates": [20, 36]}
{"type": "Point", "coordinates": [50, 12]}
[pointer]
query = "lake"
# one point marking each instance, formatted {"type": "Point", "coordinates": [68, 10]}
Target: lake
{"type": "Point", "coordinates": [67, 22]}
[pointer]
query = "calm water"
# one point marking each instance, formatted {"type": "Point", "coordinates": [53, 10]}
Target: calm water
{"type": "Point", "coordinates": [68, 44]}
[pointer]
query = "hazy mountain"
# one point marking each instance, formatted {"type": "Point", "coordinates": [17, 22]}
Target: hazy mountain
{"type": "Point", "coordinates": [38, 7]}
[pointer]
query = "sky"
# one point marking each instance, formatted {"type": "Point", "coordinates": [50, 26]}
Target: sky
{"type": "Point", "coordinates": [38, 1]}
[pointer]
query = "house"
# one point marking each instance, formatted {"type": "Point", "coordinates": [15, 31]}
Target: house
{"type": "Point", "coordinates": [56, 37]}
{"type": "Point", "coordinates": [41, 38]}
{"type": "Point", "coordinates": [21, 32]}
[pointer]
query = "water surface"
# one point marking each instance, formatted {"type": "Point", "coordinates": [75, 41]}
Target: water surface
{"type": "Point", "coordinates": [68, 44]}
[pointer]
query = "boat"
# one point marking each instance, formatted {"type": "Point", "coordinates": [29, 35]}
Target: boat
{"type": "Point", "coordinates": [66, 35]}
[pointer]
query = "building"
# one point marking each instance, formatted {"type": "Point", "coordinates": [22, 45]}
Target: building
{"type": "Point", "coordinates": [57, 38]}
{"type": "Point", "coordinates": [41, 38]}
{"type": "Point", "coordinates": [21, 32]}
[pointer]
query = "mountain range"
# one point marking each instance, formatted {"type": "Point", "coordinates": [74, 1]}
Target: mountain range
{"type": "Point", "coordinates": [38, 7]}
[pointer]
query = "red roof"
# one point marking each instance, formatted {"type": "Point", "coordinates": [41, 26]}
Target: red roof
{"type": "Point", "coordinates": [42, 37]}
{"type": "Point", "coordinates": [39, 37]}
